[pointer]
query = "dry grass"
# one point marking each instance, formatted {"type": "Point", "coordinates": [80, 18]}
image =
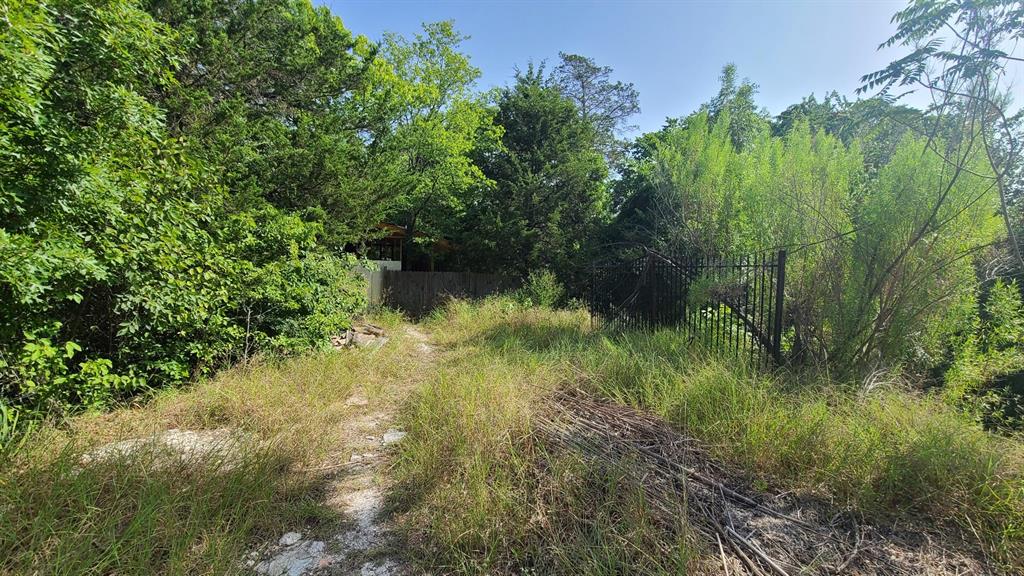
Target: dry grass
{"type": "Point", "coordinates": [891, 455]}
{"type": "Point", "coordinates": [127, 515]}
{"type": "Point", "coordinates": [482, 496]}
{"type": "Point", "coordinates": [478, 491]}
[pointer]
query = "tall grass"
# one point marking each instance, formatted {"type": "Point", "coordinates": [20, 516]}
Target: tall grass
{"type": "Point", "coordinates": [886, 453]}
{"type": "Point", "coordinates": [145, 514]}
{"type": "Point", "coordinates": [483, 496]}
{"type": "Point", "coordinates": [889, 453]}
{"type": "Point", "coordinates": [118, 516]}
{"type": "Point", "coordinates": [478, 490]}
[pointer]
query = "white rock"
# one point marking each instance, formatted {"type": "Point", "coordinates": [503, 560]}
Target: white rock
{"type": "Point", "coordinates": [385, 568]}
{"type": "Point", "coordinates": [294, 560]}
{"type": "Point", "coordinates": [393, 436]}
{"type": "Point", "coordinates": [367, 328]}
{"type": "Point", "coordinates": [221, 445]}
{"type": "Point", "coordinates": [290, 538]}
{"type": "Point", "coordinates": [356, 401]}
{"type": "Point", "coordinates": [368, 340]}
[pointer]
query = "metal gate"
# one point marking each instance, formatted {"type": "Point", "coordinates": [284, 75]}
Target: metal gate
{"type": "Point", "coordinates": [731, 304]}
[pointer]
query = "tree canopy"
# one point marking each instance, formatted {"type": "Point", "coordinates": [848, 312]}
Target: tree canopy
{"type": "Point", "coordinates": [548, 191]}
{"type": "Point", "coordinates": [605, 104]}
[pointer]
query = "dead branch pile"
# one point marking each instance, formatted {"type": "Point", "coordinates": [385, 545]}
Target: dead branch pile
{"type": "Point", "coordinates": [751, 532]}
{"type": "Point", "coordinates": [361, 335]}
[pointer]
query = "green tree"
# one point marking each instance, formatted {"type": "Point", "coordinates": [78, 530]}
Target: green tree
{"type": "Point", "coordinates": [914, 254]}
{"type": "Point", "coordinates": [123, 263]}
{"type": "Point", "coordinates": [605, 104]}
{"type": "Point", "coordinates": [960, 51]}
{"type": "Point", "coordinates": [107, 276]}
{"type": "Point", "coordinates": [264, 93]}
{"type": "Point", "coordinates": [424, 86]}
{"type": "Point", "coordinates": [265, 97]}
{"type": "Point", "coordinates": [881, 270]}
{"type": "Point", "coordinates": [746, 121]}
{"type": "Point", "coordinates": [548, 194]}
{"type": "Point", "coordinates": [694, 174]}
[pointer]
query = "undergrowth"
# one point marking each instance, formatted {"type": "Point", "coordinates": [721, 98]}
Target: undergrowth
{"type": "Point", "coordinates": [140, 513]}
{"type": "Point", "coordinates": [483, 495]}
{"type": "Point", "coordinates": [480, 480]}
{"type": "Point", "coordinates": [477, 490]}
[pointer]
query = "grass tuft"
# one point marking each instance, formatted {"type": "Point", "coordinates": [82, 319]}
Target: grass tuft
{"type": "Point", "coordinates": [479, 492]}
{"type": "Point", "coordinates": [482, 495]}
{"type": "Point", "coordinates": [119, 516]}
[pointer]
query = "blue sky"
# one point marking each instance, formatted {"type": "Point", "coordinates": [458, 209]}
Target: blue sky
{"type": "Point", "coordinates": [671, 51]}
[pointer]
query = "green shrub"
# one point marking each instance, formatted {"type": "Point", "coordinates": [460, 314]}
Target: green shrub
{"type": "Point", "coordinates": [124, 265]}
{"type": "Point", "coordinates": [985, 375]}
{"type": "Point", "coordinates": [286, 291]}
{"type": "Point", "coordinates": [542, 288]}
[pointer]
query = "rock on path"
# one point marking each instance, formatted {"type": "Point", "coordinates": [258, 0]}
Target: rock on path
{"type": "Point", "coordinates": [359, 495]}
{"type": "Point", "coordinates": [293, 559]}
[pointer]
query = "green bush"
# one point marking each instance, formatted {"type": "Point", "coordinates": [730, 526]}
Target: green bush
{"type": "Point", "coordinates": [864, 285]}
{"type": "Point", "coordinates": [986, 371]}
{"type": "Point", "coordinates": [124, 264]}
{"type": "Point", "coordinates": [542, 288]}
{"type": "Point", "coordinates": [287, 292]}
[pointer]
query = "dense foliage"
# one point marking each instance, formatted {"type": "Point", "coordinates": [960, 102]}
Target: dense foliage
{"type": "Point", "coordinates": [182, 185]}
{"type": "Point", "coordinates": [271, 118]}
{"type": "Point", "coordinates": [132, 253]}
{"type": "Point", "coordinates": [861, 283]}
{"type": "Point", "coordinates": [548, 193]}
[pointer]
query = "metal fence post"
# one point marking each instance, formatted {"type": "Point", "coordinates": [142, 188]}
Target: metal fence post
{"type": "Point", "coordinates": [592, 304]}
{"type": "Point", "coordinates": [780, 284]}
{"type": "Point", "coordinates": [652, 310]}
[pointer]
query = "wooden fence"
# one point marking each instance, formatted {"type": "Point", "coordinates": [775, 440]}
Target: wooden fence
{"type": "Point", "coordinates": [416, 293]}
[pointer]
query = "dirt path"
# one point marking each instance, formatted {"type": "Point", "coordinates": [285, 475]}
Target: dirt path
{"type": "Point", "coordinates": [356, 488]}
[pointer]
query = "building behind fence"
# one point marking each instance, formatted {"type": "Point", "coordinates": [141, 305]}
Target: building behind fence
{"type": "Point", "coordinates": [730, 304]}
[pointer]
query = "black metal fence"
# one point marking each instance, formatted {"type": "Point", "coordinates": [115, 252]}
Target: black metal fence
{"type": "Point", "coordinates": [731, 304]}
